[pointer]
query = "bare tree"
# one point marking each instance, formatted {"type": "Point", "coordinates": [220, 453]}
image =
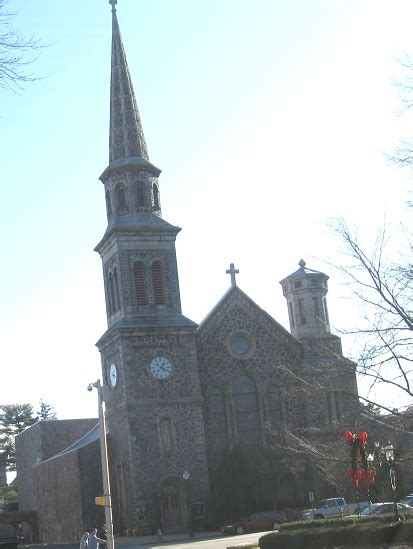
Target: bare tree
{"type": "Point", "coordinates": [16, 53]}
{"type": "Point", "coordinates": [403, 154]}
{"type": "Point", "coordinates": [383, 285]}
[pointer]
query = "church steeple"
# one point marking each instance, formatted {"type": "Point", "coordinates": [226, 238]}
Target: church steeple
{"type": "Point", "coordinates": [126, 134]}
{"type": "Point", "coordinates": [138, 247]}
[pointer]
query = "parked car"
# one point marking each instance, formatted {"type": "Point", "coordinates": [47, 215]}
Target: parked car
{"type": "Point", "coordinates": [256, 522]}
{"type": "Point", "coordinates": [386, 508]}
{"type": "Point", "coordinates": [7, 537]}
{"type": "Point", "coordinates": [407, 500]}
{"type": "Point", "coordinates": [333, 507]}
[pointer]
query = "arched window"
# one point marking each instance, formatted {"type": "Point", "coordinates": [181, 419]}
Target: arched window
{"type": "Point", "coordinates": [332, 407]}
{"type": "Point", "coordinates": [291, 313]}
{"type": "Point", "coordinates": [140, 193]}
{"type": "Point", "coordinates": [139, 282]}
{"type": "Point", "coordinates": [116, 287]}
{"type": "Point", "coordinates": [301, 311]}
{"type": "Point", "coordinates": [155, 191]}
{"type": "Point", "coordinates": [274, 406]}
{"type": "Point", "coordinates": [112, 302]}
{"type": "Point", "coordinates": [325, 310]}
{"type": "Point", "coordinates": [216, 413]}
{"type": "Point", "coordinates": [217, 421]}
{"type": "Point", "coordinates": [165, 431]}
{"type": "Point", "coordinates": [108, 203]}
{"type": "Point", "coordinates": [244, 394]}
{"type": "Point", "coordinates": [120, 197]}
{"type": "Point", "coordinates": [157, 281]}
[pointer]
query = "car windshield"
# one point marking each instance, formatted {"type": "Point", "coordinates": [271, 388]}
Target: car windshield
{"type": "Point", "coordinates": [327, 503]}
{"type": "Point", "coordinates": [408, 500]}
{"type": "Point", "coordinates": [370, 509]}
{"type": "Point", "coordinates": [381, 508]}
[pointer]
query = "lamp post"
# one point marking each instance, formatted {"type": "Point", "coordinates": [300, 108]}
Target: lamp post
{"type": "Point", "coordinates": [186, 476]}
{"type": "Point", "coordinates": [385, 458]}
{"type": "Point", "coordinates": [370, 461]}
{"type": "Point", "coordinates": [389, 454]}
{"type": "Point", "coordinates": [105, 467]}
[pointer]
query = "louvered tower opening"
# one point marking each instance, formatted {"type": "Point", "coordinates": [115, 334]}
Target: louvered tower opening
{"type": "Point", "coordinates": [139, 280]}
{"type": "Point", "coordinates": [157, 281]}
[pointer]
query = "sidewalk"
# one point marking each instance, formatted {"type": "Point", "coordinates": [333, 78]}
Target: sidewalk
{"type": "Point", "coordinates": [166, 538]}
{"type": "Point", "coordinates": [128, 543]}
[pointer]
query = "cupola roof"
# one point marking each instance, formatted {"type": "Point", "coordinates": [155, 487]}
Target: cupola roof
{"type": "Point", "coordinates": [304, 270]}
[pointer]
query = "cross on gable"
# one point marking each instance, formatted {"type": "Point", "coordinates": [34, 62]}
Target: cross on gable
{"type": "Point", "coordinates": [232, 271]}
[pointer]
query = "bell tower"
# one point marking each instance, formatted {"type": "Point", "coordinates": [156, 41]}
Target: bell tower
{"type": "Point", "coordinates": [149, 355]}
{"type": "Point", "coordinates": [147, 282]}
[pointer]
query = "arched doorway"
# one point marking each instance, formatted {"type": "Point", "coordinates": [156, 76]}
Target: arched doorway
{"type": "Point", "coordinates": [173, 505]}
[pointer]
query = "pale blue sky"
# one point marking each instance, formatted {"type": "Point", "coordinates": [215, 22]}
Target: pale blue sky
{"type": "Point", "coordinates": [267, 118]}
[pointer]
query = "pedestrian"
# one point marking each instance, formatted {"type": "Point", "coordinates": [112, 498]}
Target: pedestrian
{"type": "Point", "coordinates": [102, 532]}
{"type": "Point", "coordinates": [84, 541]}
{"type": "Point", "coordinates": [94, 541]}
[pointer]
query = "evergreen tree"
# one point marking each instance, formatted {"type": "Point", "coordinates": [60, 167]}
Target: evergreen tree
{"type": "Point", "coordinates": [14, 418]}
{"type": "Point", "coordinates": [46, 412]}
{"type": "Point", "coordinates": [233, 487]}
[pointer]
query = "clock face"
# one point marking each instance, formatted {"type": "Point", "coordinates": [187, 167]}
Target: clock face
{"type": "Point", "coordinates": [160, 367]}
{"type": "Point", "coordinates": [113, 375]}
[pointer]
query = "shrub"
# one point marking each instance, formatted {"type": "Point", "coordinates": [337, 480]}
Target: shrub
{"type": "Point", "coordinates": [330, 533]}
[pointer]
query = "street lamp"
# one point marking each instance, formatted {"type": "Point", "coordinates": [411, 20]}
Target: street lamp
{"type": "Point", "coordinates": [385, 458]}
{"type": "Point", "coordinates": [389, 453]}
{"type": "Point", "coordinates": [186, 477]}
{"type": "Point", "coordinates": [104, 458]}
{"type": "Point", "coordinates": [370, 463]}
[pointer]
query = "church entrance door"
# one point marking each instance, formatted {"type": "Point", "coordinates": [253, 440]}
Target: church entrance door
{"type": "Point", "coordinates": [171, 507]}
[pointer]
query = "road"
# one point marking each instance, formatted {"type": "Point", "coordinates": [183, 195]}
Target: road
{"type": "Point", "coordinates": [219, 542]}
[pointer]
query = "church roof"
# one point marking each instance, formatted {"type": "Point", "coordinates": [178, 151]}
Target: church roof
{"type": "Point", "coordinates": [148, 322]}
{"type": "Point", "coordinates": [236, 295]}
{"type": "Point", "coordinates": [138, 223]}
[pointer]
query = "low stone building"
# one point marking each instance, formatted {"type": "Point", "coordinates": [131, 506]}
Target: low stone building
{"type": "Point", "coordinates": [40, 442]}
{"type": "Point", "coordinates": [65, 488]}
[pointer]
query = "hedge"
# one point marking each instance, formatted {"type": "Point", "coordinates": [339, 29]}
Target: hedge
{"type": "Point", "coordinates": [319, 523]}
{"type": "Point", "coordinates": [339, 532]}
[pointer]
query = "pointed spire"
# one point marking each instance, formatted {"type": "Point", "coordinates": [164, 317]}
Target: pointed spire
{"type": "Point", "coordinates": [126, 138]}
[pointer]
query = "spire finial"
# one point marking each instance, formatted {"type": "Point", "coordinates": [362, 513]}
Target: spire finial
{"type": "Point", "coordinates": [302, 263]}
{"type": "Point", "coordinates": [113, 4]}
{"type": "Point", "coordinates": [232, 271]}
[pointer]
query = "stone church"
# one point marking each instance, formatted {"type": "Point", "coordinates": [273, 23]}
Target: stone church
{"type": "Point", "coordinates": [182, 399]}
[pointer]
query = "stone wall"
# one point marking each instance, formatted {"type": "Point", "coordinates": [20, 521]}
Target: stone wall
{"type": "Point", "coordinates": [65, 488]}
{"type": "Point", "coordinates": [40, 442]}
